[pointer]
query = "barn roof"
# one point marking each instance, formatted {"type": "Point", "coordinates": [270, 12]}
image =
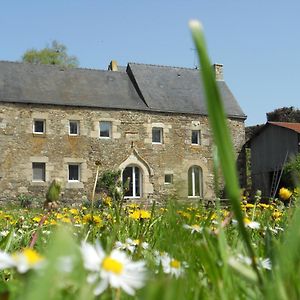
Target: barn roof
{"type": "Point", "coordinates": [141, 87]}
{"type": "Point", "coordinates": [293, 126]}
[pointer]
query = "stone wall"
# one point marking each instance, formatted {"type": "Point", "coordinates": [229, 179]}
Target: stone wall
{"type": "Point", "coordinates": [131, 143]}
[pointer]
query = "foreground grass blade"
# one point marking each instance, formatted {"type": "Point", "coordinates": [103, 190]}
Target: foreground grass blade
{"type": "Point", "coordinates": [221, 133]}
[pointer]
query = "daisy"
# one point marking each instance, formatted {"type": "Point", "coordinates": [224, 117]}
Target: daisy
{"type": "Point", "coordinates": [170, 265]}
{"type": "Point", "coordinates": [193, 228]}
{"type": "Point", "coordinates": [264, 263]}
{"type": "Point", "coordinates": [27, 259]}
{"type": "Point", "coordinates": [22, 261]}
{"type": "Point", "coordinates": [116, 269]}
{"type": "Point", "coordinates": [131, 245]}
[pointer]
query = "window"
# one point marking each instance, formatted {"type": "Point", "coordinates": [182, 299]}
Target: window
{"type": "Point", "coordinates": [73, 127]}
{"type": "Point", "coordinates": [105, 129]}
{"type": "Point", "coordinates": [74, 172]}
{"type": "Point", "coordinates": [38, 171]}
{"type": "Point", "coordinates": [195, 137]}
{"type": "Point", "coordinates": [168, 178]}
{"type": "Point", "coordinates": [157, 135]}
{"type": "Point", "coordinates": [39, 126]}
{"type": "Point", "coordinates": [195, 188]}
{"type": "Point", "coordinates": [132, 181]}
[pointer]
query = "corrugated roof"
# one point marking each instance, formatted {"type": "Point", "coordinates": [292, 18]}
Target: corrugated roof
{"type": "Point", "coordinates": [293, 126]}
{"type": "Point", "coordinates": [142, 87]}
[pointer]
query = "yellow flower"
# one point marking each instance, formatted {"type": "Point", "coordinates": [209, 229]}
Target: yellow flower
{"type": "Point", "coordinates": [285, 194]}
{"type": "Point", "coordinates": [36, 219]}
{"type": "Point", "coordinates": [89, 219]}
{"type": "Point", "coordinates": [140, 214]}
{"type": "Point", "coordinates": [107, 201]}
{"type": "Point", "coordinates": [74, 211]}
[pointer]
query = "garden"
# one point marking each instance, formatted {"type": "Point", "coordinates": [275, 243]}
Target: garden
{"type": "Point", "coordinates": [112, 249]}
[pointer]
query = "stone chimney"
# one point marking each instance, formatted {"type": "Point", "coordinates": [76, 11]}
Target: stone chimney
{"type": "Point", "coordinates": [113, 66]}
{"type": "Point", "coordinates": [218, 69]}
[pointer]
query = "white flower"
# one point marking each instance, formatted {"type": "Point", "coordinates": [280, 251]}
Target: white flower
{"type": "Point", "coordinates": [23, 261]}
{"type": "Point", "coordinates": [170, 265]}
{"type": "Point", "coordinates": [116, 269]}
{"type": "Point", "coordinates": [26, 260]}
{"type": "Point", "coordinates": [248, 223]}
{"type": "Point", "coordinates": [131, 245]}
{"type": "Point", "coordinates": [193, 228]}
{"type": "Point", "coordinates": [264, 263]}
{"type": "Point", "coordinates": [5, 260]}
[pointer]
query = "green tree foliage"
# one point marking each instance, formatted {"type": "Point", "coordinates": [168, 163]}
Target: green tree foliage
{"type": "Point", "coordinates": [284, 114]}
{"type": "Point", "coordinates": [53, 192]}
{"type": "Point", "coordinates": [291, 173]}
{"type": "Point", "coordinates": [56, 54]}
{"type": "Point", "coordinates": [110, 184]}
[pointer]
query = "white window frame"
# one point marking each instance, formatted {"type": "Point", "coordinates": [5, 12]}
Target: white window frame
{"type": "Point", "coordinates": [78, 127]}
{"type": "Point", "coordinates": [44, 126]}
{"type": "Point", "coordinates": [171, 177]}
{"type": "Point", "coordinates": [79, 170]}
{"type": "Point", "coordinates": [194, 182]}
{"type": "Point", "coordinates": [133, 182]}
{"type": "Point", "coordinates": [160, 129]}
{"type": "Point", "coordinates": [44, 172]}
{"type": "Point", "coordinates": [198, 138]}
{"type": "Point", "coordinates": [109, 130]}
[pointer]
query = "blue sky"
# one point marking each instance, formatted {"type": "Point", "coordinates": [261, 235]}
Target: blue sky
{"type": "Point", "coordinates": [258, 41]}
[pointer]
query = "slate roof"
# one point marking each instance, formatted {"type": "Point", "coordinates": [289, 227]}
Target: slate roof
{"type": "Point", "coordinates": [141, 87]}
{"type": "Point", "coordinates": [43, 84]}
{"type": "Point", "coordinates": [178, 90]}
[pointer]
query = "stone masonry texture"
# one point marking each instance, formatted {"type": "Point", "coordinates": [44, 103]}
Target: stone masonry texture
{"type": "Point", "coordinates": [131, 142]}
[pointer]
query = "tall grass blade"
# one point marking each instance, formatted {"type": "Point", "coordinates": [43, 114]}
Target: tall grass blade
{"type": "Point", "coordinates": [221, 133]}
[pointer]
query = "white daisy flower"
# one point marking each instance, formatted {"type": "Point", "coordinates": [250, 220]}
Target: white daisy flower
{"type": "Point", "coordinates": [248, 223]}
{"type": "Point", "coordinates": [170, 265]}
{"type": "Point", "coordinates": [264, 263]}
{"type": "Point", "coordinates": [131, 245]}
{"type": "Point", "coordinates": [193, 228]}
{"type": "Point", "coordinates": [26, 260]}
{"type": "Point", "coordinates": [116, 269]}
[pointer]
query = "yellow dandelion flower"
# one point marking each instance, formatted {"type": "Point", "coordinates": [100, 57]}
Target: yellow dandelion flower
{"type": "Point", "coordinates": [74, 211]}
{"type": "Point", "coordinates": [107, 201]}
{"type": "Point", "coordinates": [140, 214]}
{"type": "Point", "coordinates": [285, 194]}
{"type": "Point", "coordinates": [36, 219]}
{"type": "Point", "coordinates": [88, 218]}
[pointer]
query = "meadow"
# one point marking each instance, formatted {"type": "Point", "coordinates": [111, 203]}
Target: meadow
{"type": "Point", "coordinates": [127, 252]}
{"type": "Point", "coordinates": [248, 250]}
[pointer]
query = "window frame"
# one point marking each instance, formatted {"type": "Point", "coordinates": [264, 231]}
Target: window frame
{"type": "Point", "coordinates": [198, 137]}
{"type": "Point", "coordinates": [43, 179]}
{"type": "Point", "coordinates": [109, 130]}
{"type": "Point", "coordinates": [160, 129]}
{"type": "Point", "coordinates": [171, 177]}
{"type": "Point", "coordinates": [79, 172]}
{"type": "Point", "coordinates": [34, 127]}
{"type": "Point", "coordinates": [193, 183]}
{"type": "Point", "coordinates": [77, 127]}
{"type": "Point", "coordinates": [140, 180]}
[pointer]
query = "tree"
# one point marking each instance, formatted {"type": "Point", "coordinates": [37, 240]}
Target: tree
{"type": "Point", "coordinates": [56, 54]}
{"type": "Point", "coordinates": [291, 172]}
{"type": "Point", "coordinates": [284, 114]}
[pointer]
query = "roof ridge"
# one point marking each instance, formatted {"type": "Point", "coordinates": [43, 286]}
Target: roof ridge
{"type": "Point", "coordinates": [53, 66]}
{"type": "Point", "coordinates": [162, 66]}
{"type": "Point", "coordinates": [278, 122]}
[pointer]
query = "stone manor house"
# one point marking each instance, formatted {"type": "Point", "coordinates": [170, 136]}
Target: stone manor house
{"type": "Point", "coordinates": [148, 121]}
